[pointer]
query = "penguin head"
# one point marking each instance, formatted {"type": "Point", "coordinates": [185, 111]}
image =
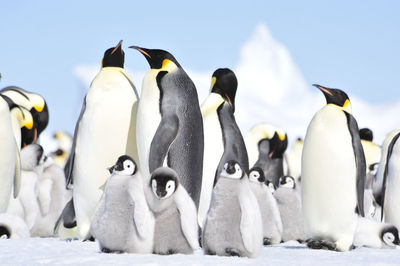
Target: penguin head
{"type": "Point", "coordinates": [232, 170]}
{"type": "Point", "coordinates": [27, 125]}
{"type": "Point", "coordinates": [336, 97]}
{"type": "Point", "coordinates": [224, 83]}
{"type": "Point", "coordinates": [287, 182]}
{"type": "Point", "coordinates": [366, 134]}
{"type": "Point", "coordinates": [373, 169]}
{"type": "Point", "coordinates": [125, 165]}
{"type": "Point", "coordinates": [164, 182]}
{"type": "Point", "coordinates": [278, 145]}
{"type": "Point", "coordinates": [31, 156]}
{"type": "Point", "coordinates": [256, 175]}
{"type": "Point", "coordinates": [270, 185]}
{"type": "Point", "coordinates": [4, 232]}
{"type": "Point", "coordinates": [390, 236]}
{"type": "Point", "coordinates": [159, 59]}
{"type": "Point", "coordinates": [114, 57]}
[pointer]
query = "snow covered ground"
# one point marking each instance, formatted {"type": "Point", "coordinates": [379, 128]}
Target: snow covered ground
{"type": "Point", "coordinates": [34, 251]}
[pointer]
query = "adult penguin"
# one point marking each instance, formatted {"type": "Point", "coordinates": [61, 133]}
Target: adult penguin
{"type": "Point", "coordinates": [223, 140]}
{"type": "Point", "coordinates": [333, 174]}
{"type": "Point", "coordinates": [105, 130]}
{"type": "Point", "coordinates": [169, 123]}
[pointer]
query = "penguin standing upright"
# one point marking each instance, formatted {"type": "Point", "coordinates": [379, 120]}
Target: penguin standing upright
{"type": "Point", "coordinates": [105, 129]}
{"type": "Point", "coordinates": [223, 140]}
{"type": "Point", "coordinates": [294, 159]}
{"type": "Point", "coordinates": [332, 174]}
{"type": "Point", "coordinates": [372, 152]}
{"type": "Point", "coordinates": [169, 123]}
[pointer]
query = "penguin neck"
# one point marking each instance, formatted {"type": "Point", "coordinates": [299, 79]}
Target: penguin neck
{"type": "Point", "coordinates": [211, 104]}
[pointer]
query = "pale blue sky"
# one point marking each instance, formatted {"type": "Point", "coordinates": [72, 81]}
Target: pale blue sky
{"type": "Point", "coordinates": [353, 45]}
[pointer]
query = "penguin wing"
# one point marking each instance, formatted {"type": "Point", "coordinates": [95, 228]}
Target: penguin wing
{"type": "Point", "coordinates": [360, 160]}
{"type": "Point", "coordinates": [44, 196]}
{"type": "Point", "coordinates": [17, 172]}
{"type": "Point", "coordinates": [69, 166]}
{"type": "Point", "coordinates": [67, 216]}
{"type": "Point", "coordinates": [188, 216]}
{"type": "Point", "coordinates": [386, 169]}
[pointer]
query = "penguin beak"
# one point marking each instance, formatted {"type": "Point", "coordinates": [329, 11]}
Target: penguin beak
{"type": "Point", "coordinates": [141, 50]}
{"type": "Point", "coordinates": [323, 89]}
{"type": "Point", "coordinates": [117, 47]}
{"type": "Point", "coordinates": [110, 169]}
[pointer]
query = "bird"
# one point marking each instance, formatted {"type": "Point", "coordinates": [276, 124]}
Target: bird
{"type": "Point", "coordinates": [271, 217]}
{"type": "Point", "coordinates": [372, 151]}
{"type": "Point", "coordinates": [294, 159]}
{"type": "Point", "coordinates": [106, 128]}
{"type": "Point", "coordinates": [169, 122]}
{"type": "Point", "coordinates": [123, 221]}
{"type": "Point", "coordinates": [64, 142]}
{"type": "Point", "coordinates": [223, 140]}
{"type": "Point", "coordinates": [332, 174]}
{"type": "Point", "coordinates": [233, 224]}
{"type": "Point", "coordinates": [13, 227]}
{"type": "Point", "coordinates": [176, 228]}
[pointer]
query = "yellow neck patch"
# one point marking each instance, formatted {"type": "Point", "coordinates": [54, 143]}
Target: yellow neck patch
{"type": "Point", "coordinates": [347, 106]}
{"type": "Point", "coordinates": [38, 108]}
{"type": "Point", "coordinates": [168, 65]}
{"type": "Point", "coordinates": [281, 136]}
{"type": "Point", "coordinates": [213, 80]}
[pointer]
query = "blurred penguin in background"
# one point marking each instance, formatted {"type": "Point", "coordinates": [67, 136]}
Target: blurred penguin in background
{"type": "Point", "coordinates": [294, 159]}
{"type": "Point", "coordinates": [64, 144]}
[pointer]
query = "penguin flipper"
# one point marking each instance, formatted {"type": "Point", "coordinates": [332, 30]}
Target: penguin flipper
{"type": "Point", "coordinates": [67, 217]}
{"type": "Point", "coordinates": [188, 216]}
{"type": "Point", "coordinates": [162, 140]}
{"type": "Point", "coordinates": [17, 172]}
{"type": "Point", "coordinates": [385, 173]}
{"type": "Point", "coordinates": [69, 166]}
{"type": "Point", "coordinates": [360, 160]}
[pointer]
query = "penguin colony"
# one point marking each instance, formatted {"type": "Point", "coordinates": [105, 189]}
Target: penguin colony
{"type": "Point", "coordinates": [170, 175]}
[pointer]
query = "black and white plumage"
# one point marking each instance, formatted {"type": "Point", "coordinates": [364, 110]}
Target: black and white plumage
{"type": "Point", "coordinates": [271, 218]}
{"type": "Point", "coordinates": [123, 221]}
{"type": "Point", "coordinates": [13, 227]}
{"type": "Point", "coordinates": [233, 225]}
{"type": "Point", "coordinates": [374, 234]}
{"type": "Point", "coordinates": [289, 203]}
{"type": "Point", "coordinates": [176, 228]}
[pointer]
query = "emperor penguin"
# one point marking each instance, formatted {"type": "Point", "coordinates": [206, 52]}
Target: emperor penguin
{"type": "Point", "coordinates": [294, 159]}
{"type": "Point", "coordinates": [106, 128]}
{"type": "Point", "coordinates": [64, 144]}
{"type": "Point", "coordinates": [223, 140]}
{"type": "Point", "coordinates": [9, 158]}
{"type": "Point", "coordinates": [233, 224]}
{"type": "Point", "coordinates": [374, 234]}
{"type": "Point", "coordinates": [13, 227]}
{"type": "Point", "coordinates": [169, 122]}
{"type": "Point", "coordinates": [176, 228]}
{"type": "Point", "coordinates": [123, 221]}
{"type": "Point", "coordinates": [266, 145]}
{"type": "Point", "coordinates": [34, 102]}
{"type": "Point", "coordinates": [391, 183]}
{"type": "Point", "coordinates": [332, 174]}
{"type": "Point", "coordinates": [289, 203]}
{"type": "Point", "coordinates": [372, 151]}
{"type": "Point", "coordinates": [65, 227]}
{"type": "Point", "coordinates": [271, 218]}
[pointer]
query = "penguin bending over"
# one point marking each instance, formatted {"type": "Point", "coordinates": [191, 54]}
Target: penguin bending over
{"type": "Point", "coordinates": [233, 224]}
{"type": "Point", "coordinates": [123, 221]}
{"type": "Point", "coordinates": [169, 123]}
{"type": "Point", "coordinates": [271, 218]}
{"type": "Point", "coordinates": [333, 174]}
{"type": "Point", "coordinates": [176, 228]}
{"type": "Point", "coordinates": [223, 140]}
{"type": "Point", "coordinates": [106, 128]}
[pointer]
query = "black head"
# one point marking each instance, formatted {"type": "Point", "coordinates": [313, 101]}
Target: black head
{"type": "Point", "coordinates": [125, 165]}
{"type": "Point", "coordinates": [366, 134]}
{"type": "Point", "coordinates": [114, 57]}
{"type": "Point", "coordinates": [156, 57]}
{"type": "Point", "coordinates": [232, 170]}
{"type": "Point", "coordinates": [224, 83]}
{"type": "Point", "coordinates": [278, 144]}
{"type": "Point", "coordinates": [4, 232]}
{"type": "Point", "coordinates": [257, 175]}
{"type": "Point", "coordinates": [164, 182]}
{"type": "Point", "coordinates": [287, 181]}
{"type": "Point", "coordinates": [41, 118]}
{"type": "Point", "coordinates": [334, 96]}
{"type": "Point", "coordinates": [390, 236]}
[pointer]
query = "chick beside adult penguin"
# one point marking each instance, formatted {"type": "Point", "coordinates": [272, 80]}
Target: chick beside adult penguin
{"type": "Point", "coordinates": [176, 228]}
{"type": "Point", "coordinates": [374, 234]}
{"type": "Point", "coordinates": [123, 221]}
{"type": "Point", "coordinates": [13, 227]}
{"type": "Point", "coordinates": [233, 224]}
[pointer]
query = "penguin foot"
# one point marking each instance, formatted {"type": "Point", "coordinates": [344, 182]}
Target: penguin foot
{"type": "Point", "coordinates": [267, 241]}
{"type": "Point", "coordinates": [210, 252]}
{"type": "Point", "coordinates": [232, 252]}
{"type": "Point", "coordinates": [107, 250]}
{"type": "Point", "coordinates": [321, 244]}
{"type": "Point", "coordinates": [170, 252]}
{"type": "Point", "coordinates": [90, 238]}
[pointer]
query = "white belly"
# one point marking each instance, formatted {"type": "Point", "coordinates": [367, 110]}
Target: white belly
{"type": "Point", "coordinates": [392, 196]}
{"type": "Point", "coordinates": [213, 151]}
{"type": "Point", "coordinates": [148, 119]}
{"type": "Point", "coordinates": [329, 177]}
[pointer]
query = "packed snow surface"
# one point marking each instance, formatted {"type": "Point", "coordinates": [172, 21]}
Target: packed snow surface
{"type": "Point", "coordinates": [53, 251]}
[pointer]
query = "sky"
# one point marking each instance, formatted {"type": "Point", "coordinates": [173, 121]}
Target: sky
{"type": "Point", "coordinates": [276, 48]}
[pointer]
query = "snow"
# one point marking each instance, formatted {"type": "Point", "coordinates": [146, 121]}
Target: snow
{"type": "Point", "coordinates": [53, 251]}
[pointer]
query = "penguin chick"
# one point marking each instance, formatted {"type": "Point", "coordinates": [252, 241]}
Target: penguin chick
{"type": "Point", "coordinates": [374, 234]}
{"type": "Point", "coordinates": [51, 197]}
{"type": "Point", "coordinates": [270, 185]}
{"type": "Point", "coordinates": [176, 228]}
{"type": "Point", "coordinates": [271, 218]}
{"type": "Point", "coordinates": [289, 204]}
{"type": "Point", "coordinates": [122, 221]}
{"type": "Point", "coordinates": [13, 227]}
{"type": "Point", "coordinates": [233, 225]}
